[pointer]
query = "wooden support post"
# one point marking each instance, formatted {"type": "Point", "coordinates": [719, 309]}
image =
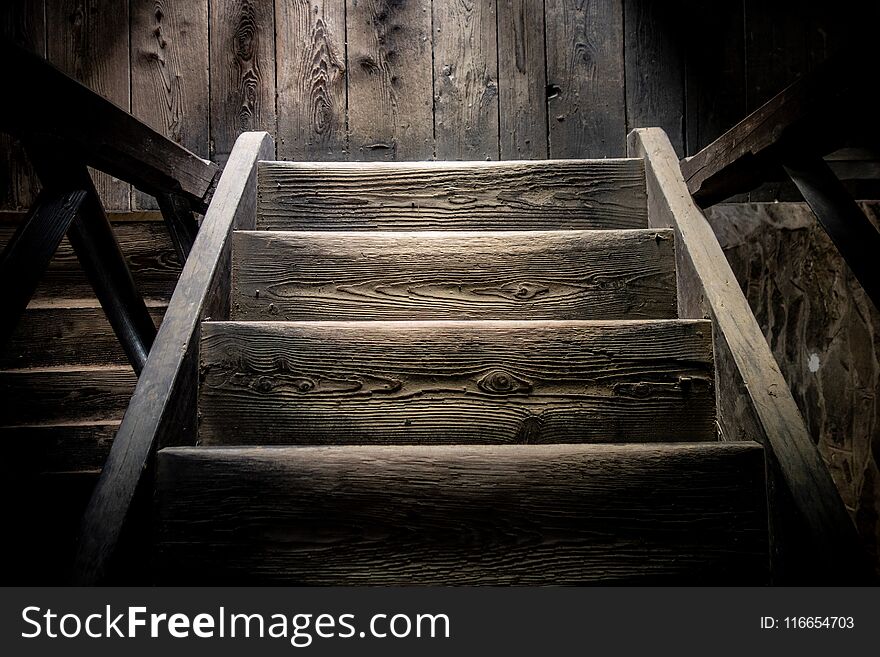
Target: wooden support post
{"type": "Point", "coordinates": [163, 408]}
{"type": "Point", "coordinates": [94, 243]}
{"type": "Point", "coordinates": [181, 223]}
{"type": "Point", "coordinates": [847, 226]}
{"type": "Point", "coordinates": [29, 251]}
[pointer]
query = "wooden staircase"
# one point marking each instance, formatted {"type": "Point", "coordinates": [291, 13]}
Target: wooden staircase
{"type": "Point", "coordinates": [457, 373]}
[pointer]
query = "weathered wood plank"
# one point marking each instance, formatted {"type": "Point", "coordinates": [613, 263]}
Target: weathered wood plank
{"type": "Point", "coordinates": [522, 81]}
{"type": "Point", "coordinates": [66, 332]}
{"type": "Point", "coordinates": [754, 402]}
{"type": "Point", "coordinates": [22, 22]}
{"type": "Point", "coordinates": [465, 80]}
{"type": "Point", "coordinates": [311, 70]}
{"type": "Point", "coordinates": [390, 101]}
{"type": "Point", "coordinates": [242, 71]}
{"type": "Point", "coordinates": [654, 62]}
{"type": "Point", "coordinates": [64, 394]}
{"type": "Point", "coordinates": [169, 74]}
{"type": "Point", "coordinates": [90, 42]}
{"type": "Point", "coordinates": [163, 408]}
{"type": "Point", "coordinates": [73, 447]}
{"type": "Point", "coordinates": [536, 195]}
{"type": "Point", "coordinates": [585, 78]}
{"type": "Point", "coordinates": [525, 515]}
{"type": "Point", "coordinates": [815, 111]}
{"type": "Point", "coordinates": [455, 382]}
{"type": "Point", "coordinates": [441, 275]}
{"type": "Point", "coordinates": [25, 257]}
{"type": "Point", "coordinates": [146, 246]}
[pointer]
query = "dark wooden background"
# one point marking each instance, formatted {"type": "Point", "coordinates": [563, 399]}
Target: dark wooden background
{"type": "Point", "coordinates": [421, 79]}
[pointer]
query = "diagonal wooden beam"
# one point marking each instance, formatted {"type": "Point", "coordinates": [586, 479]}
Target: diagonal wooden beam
{"type": "Point", "coordinates": [852, 233]}
{"type": "Point", "coordinates": [28, 253]}
{"type": "Point", "coordinates": [180, 221]}
{"type": "Point", "coordinates": [95, 245]}
{"type": "Point", "coordinates": [109, 138]}
{"type": "Point", "coordinates": [817, 110]}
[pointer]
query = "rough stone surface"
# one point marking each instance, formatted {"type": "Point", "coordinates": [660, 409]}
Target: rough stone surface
{"type": "Point", "coordinates": [825, 334]}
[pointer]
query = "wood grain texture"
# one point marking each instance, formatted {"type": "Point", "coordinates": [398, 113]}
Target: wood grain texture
{"type": "Point", "coordinates": [454, 275]}
{"type": "Point", "coordinates": [655, 38]}
{"type": "Point", "coordinates": [242, 71]}
{"type": "Point", "coordinates": [24, 23]}
{"type": "Point", "coordinates": [465, 80]}
{"type": "Point", "coordinates": [522, 81]}
{"type": "Point", "coordinates": [455, 382]}
{"type": "Point", "coordinates": [754, 401]}
{"type": "Point", "coordinates": [525, 515]}
{"type": "Point", "coordinates": [163, 408]}
{"type": "Point", "coordinates": [544, 195]}
{"type": "Point", "coordinates": [72, 447]}
{"type": "Point", "coordinates": [91, 43]}
{"type": "Point", "coordinates": [585, 78]}
{"type": "Point", "coordinates": [169, 74]}
{"type": "Point", "coordinates": [64, 394]}
{"type": "Point", "coordinates": [65, 332]}
{"type": "Point", "coordinates": [390, 103]}
{"type": "Point", "coordinates": [312, 102]}
{"type": "Point", "coordinates": [147, 248]}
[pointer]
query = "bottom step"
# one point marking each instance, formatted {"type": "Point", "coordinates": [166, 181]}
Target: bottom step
{"type": "Point", "coordinates": [435, 515]}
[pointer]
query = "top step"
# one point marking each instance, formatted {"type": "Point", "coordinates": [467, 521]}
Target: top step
{"type": "Point", "coordinates": [511, 195]}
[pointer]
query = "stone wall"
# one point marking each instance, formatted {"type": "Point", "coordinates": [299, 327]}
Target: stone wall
{"type": "Point", "coordinates": [825, 334]}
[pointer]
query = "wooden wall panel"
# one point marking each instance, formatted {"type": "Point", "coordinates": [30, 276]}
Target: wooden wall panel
{"type": "Point", "coordinates": [242, 71]}
{"type": "Point", "coordinates": [169, 73]}
{"type": "Point", "coordinates": [465, 80]}
{"type": "Point", "coordinates": [390, 92]}
{"type": "Point", "coordinates": [522, 80]}
{"type": "Point", "coordinates": [655, 68]}
{"type": "Point", "coordinates": [90, 41]}
{"type": "Point", "coordinates": [23, 22]}
{"type": "Point", "coordinates": [585, 78]}
{"type": "Point", "coordinates": [312, 95]}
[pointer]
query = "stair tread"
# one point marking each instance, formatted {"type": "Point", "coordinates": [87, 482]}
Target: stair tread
{"type": "Point", "coordinates": [454, 274]}
{"type": "Point", "coordinates": [525, 195]}
{"type": "Point", "coordinates": [463, 514]}
{"type": "Point", "coordinates": [65, 394]}
{"type": "Point", "coordinates": [502, 381]}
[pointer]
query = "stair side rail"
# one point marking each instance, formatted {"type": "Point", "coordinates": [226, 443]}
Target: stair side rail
{"type": "Point", "coordinates": [754, 401]}
{"type": "Point", "coordinates": [163, 410]}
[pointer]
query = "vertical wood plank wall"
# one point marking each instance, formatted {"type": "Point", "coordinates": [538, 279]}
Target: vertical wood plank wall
{"type": "Point", "coordinates": [421, 79]}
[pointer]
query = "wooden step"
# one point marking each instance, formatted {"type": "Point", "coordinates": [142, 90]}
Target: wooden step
{"type": "Point", "coordinates": [148, 251]}
{"type": "Point", "coordinates": [627, 274]}
{"type": "Point", "coordinates": [434, 515]}
{"type": "Point", "coordinates": [456, 382]}
{"type": "Point", "coordinates": [66, 332]}
{"type": "Point", "coordinates": [54, 395]}
{"type": "Point", "coordinates": [525, 195]}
